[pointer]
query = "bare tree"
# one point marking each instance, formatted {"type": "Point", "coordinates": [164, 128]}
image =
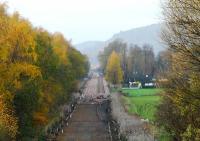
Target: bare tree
{"type": "Point", "coordinates": [181, 101]}
{"type": "Point", "coordinates": [182, 33]}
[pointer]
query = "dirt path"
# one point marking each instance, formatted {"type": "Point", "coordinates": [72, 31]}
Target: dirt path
{"type": "Point", "coordinates": [131, 126]}
{"type": "Point", "coordinates": [88, 120]}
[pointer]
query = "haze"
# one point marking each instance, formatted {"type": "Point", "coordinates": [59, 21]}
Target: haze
{"type": "Point", "coordinates": [87, 20]}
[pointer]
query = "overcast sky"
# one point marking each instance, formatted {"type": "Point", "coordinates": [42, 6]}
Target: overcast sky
{"type": "Point", "coordinates": [84, 20]}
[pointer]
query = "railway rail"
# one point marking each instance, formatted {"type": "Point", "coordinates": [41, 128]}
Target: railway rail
{"type": "Point", "coordinates": [88, 117]}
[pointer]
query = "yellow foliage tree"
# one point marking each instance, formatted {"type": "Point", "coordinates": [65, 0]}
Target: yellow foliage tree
{"type": "Point", "coordinates": [38, 71]}
{"type": "Point", "coordinates": [60, 47]}
{"type": "Point", "coordinates": [113, 70]}
{"type": "Point", "coordinates": [17, 58]}
{"type": "Point", "coordinates": [17, 50]}
{"type": "Point", "coordinates": [8, 122]}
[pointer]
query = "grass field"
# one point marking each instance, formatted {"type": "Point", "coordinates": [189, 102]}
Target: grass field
{"type": "Point", "coordinates": [142, 102]}
{"type": "Point", "coordinates": [142, 92]}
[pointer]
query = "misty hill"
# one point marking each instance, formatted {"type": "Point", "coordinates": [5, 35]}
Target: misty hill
{"type": "Point", "coordinates": [91, 49]}
{"type": "Point", "coordinates": [143, 35]}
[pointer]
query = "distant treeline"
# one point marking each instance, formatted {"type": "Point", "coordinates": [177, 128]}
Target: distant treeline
{"type": "Point", "coordinates": [38, 72]}
{"type": "Point", "coordinates": [137, 63]}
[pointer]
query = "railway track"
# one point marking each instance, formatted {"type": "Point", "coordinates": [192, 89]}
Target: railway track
{"type": "Point", "coordinates": [89, 122]}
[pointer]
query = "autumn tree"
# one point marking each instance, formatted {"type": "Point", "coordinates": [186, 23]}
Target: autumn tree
{"type": "Point", "coordinates": [79, 63]}
{"type": "Point", "coordinates": [119, 47]}
{"type": "Point", "coordinates": [17, 49]}
{"type": "Point", "coordinates": [62, 66]}
{"type": "Point", "coordinates": [8, 121]}
{"type": "Point", "coordinates": [60, 47]}
{"type": "Point", "coordinates": [179, 111]}
{"type": "Point", "coordinates": [38, 73]}
{"type": "Point", "coordinates": [136, 61]}
{"type": "Point", "coordinates": [114, 72]}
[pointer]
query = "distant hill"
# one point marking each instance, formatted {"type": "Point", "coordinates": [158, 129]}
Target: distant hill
{"type": "Point", "coordinates": [143, 35]}
{"type": "Point", "coordinates": [91, 49]}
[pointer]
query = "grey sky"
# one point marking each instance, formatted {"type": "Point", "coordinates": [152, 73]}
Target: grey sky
{"type": "Point", "coordinates": [83, 20]}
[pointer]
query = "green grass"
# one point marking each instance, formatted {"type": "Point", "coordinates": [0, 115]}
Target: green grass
{"type": "Point", "coordinates": [142, 92]}
{"type": "Point", "coordinates": [143, 102]}
{"type": "Point", "coordinates": [144, 106]}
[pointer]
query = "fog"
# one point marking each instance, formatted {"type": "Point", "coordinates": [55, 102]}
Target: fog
{"type": "Point", "coordinates": [87, 20]}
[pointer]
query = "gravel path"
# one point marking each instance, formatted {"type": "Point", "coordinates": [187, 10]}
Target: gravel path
{"type": "Point", "coordinates": [132, 127]}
